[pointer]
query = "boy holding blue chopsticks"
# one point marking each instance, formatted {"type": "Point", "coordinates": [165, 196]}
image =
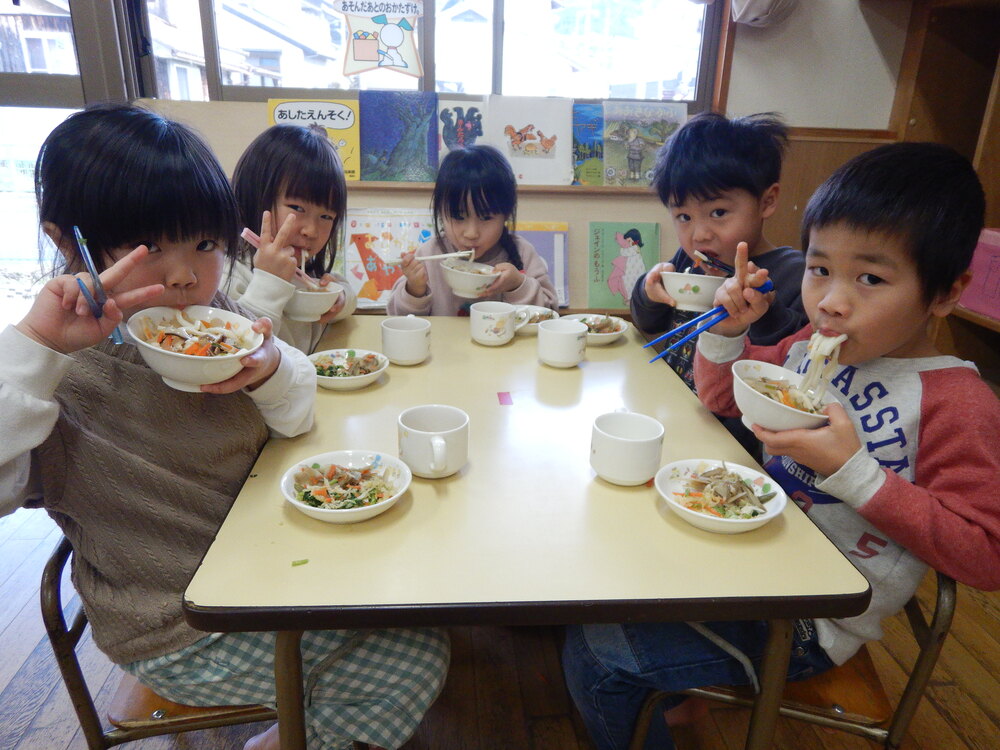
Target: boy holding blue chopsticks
{"type": "Point", "coordinates": [902, 477]}
{"type": "Point", "coordinates": [719, 180]}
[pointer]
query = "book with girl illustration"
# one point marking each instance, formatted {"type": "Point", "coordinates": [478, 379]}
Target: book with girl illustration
{"type": "Point", "coordinates": [619, 253]}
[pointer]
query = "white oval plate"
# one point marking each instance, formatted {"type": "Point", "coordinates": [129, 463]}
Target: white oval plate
{"type": "Point", "coordinates": [349, 383]}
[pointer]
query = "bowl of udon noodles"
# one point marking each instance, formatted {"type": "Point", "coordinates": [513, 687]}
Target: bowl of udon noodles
{"type": "Point", "coordinates": [769, 395]}
{"type": "Point", "coordinates": [195, 346]}
{"type": "Point", "coordinates": [466, 278]}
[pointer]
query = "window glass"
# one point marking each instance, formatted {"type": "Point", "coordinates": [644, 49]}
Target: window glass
{"type": "Point", "coordinates": [634, 49]}
{"type": "Point", "coordinates": [463, 46]}
{"type": "Point", "coordinates": [36, 40]}
{"type": "Point", "coordinates": [22, 130]}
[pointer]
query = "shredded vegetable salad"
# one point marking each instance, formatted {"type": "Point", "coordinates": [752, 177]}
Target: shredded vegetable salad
{"type": "Point", "coordinates": [337, 487]}
{"type": "Point", "coordinates": [724, 493]}
{"type": "Point", "coordinates": [200, 338]}
{"type": "Point", "coordinates": [347, 365]}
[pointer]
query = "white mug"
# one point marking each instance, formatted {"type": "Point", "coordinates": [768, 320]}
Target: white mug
{"type": "Point", "coordinates": [433, 439]}
{"type": "Point", "coordinates": [625, 447]}
{"type": "Point", "coordinates": [406, 340]}
{"type": "Point", "coordinates": [562, 342]}
{"type": "Point", "coordinates": [494, 323]}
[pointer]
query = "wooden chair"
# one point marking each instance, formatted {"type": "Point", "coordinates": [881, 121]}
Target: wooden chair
{"type": "Point", "coordinates": [136, 711]}
{"type": "Point", "coordinates": [849, 697]}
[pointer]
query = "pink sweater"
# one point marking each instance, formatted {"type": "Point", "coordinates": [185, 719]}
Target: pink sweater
{"type": "Point", "coordinates": [537, 288]}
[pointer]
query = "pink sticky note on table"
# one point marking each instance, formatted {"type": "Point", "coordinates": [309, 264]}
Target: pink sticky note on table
{"type": "Point", "coordinates": [504, 398]}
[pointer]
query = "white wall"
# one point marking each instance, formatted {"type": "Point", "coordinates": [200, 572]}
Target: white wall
{"type": "Point", "coordinates": [830, 64]}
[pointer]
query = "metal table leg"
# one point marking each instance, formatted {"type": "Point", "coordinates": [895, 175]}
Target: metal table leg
{"type": "Point", "coordinates": [773, 675]}
{"type": "Point", "coordinates": [288, 688]}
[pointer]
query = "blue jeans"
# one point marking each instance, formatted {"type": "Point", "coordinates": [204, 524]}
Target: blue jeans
{"type": "Point", "coordinates": [611, 669]}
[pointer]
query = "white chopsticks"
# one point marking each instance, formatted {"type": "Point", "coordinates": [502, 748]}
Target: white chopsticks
{"type": "Point", "coordinates": [459, 254]}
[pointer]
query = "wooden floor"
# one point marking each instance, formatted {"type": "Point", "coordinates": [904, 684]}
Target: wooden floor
{"type": "Point", "coordinates": [505, 689]}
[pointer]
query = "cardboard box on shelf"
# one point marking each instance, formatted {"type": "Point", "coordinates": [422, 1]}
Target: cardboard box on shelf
{"type": "Point", "coordinates": [983, 293]}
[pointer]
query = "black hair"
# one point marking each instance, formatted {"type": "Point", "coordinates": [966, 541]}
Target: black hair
{"type": "Point", "coordinates": [634, 235]}
{"type": "Point", "coordinates": [710, 154]}
{"type": "Point", "coordinates": [125, 176]}
{"type": "Point", "coordinates": [482, 174]}
{"type": "Point", "coordinates": [299, 162]}
{"type": "Point", "coordinates": [926, 194]}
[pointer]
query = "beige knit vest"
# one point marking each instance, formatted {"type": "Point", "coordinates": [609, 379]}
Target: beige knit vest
{"type": "Point", "coordinates": [139, 477]}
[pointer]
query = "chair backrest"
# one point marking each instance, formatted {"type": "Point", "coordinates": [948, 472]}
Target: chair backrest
{"type": "Point", "coordinates": [837, 687]}
{"type": "Point", "coordinates": [136, 710]}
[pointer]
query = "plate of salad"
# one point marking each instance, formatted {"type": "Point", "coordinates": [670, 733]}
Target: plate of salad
{"type": "Point", "coordinates": [345, 486]}
{"type": "Point", "coordinates": [720, 496]}
{"type": "Point", "coordinates": [348, 369]}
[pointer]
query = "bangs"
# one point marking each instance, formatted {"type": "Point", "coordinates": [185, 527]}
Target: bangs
{"type": "Point", "coordinates": [705, 181]}
{"type": "Point", "coordinates": [311, 182]}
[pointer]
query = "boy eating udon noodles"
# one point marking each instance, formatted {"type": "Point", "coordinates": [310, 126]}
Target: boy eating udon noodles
{"type": "Point", "coordinates": [900, 478]}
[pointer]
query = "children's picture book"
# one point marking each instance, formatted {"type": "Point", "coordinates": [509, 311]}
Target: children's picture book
{"type": "Point", "coordinates": [588, 143]}
{"type": "Point", "coordinates": [460, 123]}
{"type": "Point", "coordinates": [619, 253]}
{"type": "Point", "coordinates": [549, 238]}
{"type": "Point", "coordinates": [338, 116]}
{"type": "Point", "coordinates": [399, 135]}
{"type": "Point", "coordinates": [633, 133]}
{"type": "Point", "coordinates": [536, 135]}
{"type": "Point", "coordinates": [374, 240]}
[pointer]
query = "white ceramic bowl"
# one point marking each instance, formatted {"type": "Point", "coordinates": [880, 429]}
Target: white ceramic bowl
{"type": "Point", "coordinates": [308, 307]}
{"type": "Point", "coordinates": [187, 372]}
{"type": "Point", "coordinates": [531, 329]}
{"type": "Point", "coordinates": [355, 459]}
{"type": "Point", "coordinates": [759, 409]}
{"type": "Point", "coordinates": [465, 283]}
{"type": "Point", "coordinates": [692, 291]}
{"type": "Point", "coordinates": [600, 339]}
{"type": "Point", "coordinates": [672, 478]}
{"type": "Point", "coordinates": [354, 382]}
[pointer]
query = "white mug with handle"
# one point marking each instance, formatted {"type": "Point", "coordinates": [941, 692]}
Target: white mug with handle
{"type": "Point", "coordinates": [433, 439]}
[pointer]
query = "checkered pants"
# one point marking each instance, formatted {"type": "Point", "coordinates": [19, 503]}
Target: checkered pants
{"type": "Point", "coordinates": [367, 685]}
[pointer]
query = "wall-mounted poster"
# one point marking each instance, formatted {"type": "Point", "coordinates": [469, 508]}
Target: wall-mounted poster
{"type": "Point", "coordinates": [339, 117]}
{"type": "Point", "coordinates": [619, 253]}
{"type": "Point", "coordinates": [374, 240]}
{"type": "Point", "coordinates": [381, 35]}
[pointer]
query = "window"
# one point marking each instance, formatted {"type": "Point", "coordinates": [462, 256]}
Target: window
{"type": "Point", "coordinates": [46, 39]}
{"type": "Point", "coordinates": [585, 49]}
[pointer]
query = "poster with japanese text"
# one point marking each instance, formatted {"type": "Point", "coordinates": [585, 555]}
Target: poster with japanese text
{"type": "Point", "coordinates": [339, 117]}
{"type": "Point", "coordinates": [374, 240]}
{"type": "Point", "coordinates": [619, 252]}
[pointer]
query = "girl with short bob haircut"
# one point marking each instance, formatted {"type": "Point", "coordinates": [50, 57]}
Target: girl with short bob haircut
{"type": "Point", "coordinates": [475, 206]}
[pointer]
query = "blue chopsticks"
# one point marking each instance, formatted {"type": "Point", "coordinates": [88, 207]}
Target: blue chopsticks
{"type": "Point", "coordinates": [709, 319]}
{"type": "Point", "coordinates": [99, 297]}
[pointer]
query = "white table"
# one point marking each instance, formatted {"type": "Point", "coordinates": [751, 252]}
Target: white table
{"type": "Point", "coordinates": [525, 533]}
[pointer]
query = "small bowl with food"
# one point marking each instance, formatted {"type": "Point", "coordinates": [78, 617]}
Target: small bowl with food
{"type": "Point", "coordinates": [310, 301]}
{"type": "Point", "coordinates": [536, 314]}
{"type": "Point", "coordinates": [195, 346]}
{"type": "Point", "coordinates": [720, 496]}
{"type": "Point", "coordinates": [692, 291]}
{"type": "Point", "coordinates": [601, 329]}
{"type": "Point", "coordinates": [345, 486]}
{"type": "Point", "coordinates": [348, 369]}
{"type": "Point", "coordinates": [467, 278]}
{"type": "Point", "coordinates": [769, 395]}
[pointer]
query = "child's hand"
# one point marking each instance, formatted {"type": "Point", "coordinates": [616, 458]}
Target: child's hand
{"type": "Point", "coordinates": [275, 255]}
{"type": "Point", "coordinates": [61, 319]}
{"type": "Point", "coordinates": [825, 449]}
{"type": "Point", "coordinates": [257, 366]}
{"type": "Point", "coordinates": [739, 296]}
{"type": "Point", "coordinates": [332, 313]}
{"type": "Point", "coordinates": [653, 284]}
{"type": "Point", "coordinates": [415, 273]}
{"type": "Point", "coordinates": [509, 280]}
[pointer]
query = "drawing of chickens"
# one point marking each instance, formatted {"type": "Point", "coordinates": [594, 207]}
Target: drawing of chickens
{"type": "Point", "coordinates": [518, 137]}
{"type": "Point", "coordinates": [547, 143]}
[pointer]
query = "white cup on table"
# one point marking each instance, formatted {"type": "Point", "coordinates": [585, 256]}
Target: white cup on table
{"type": "Point", "coordinates": [562, 342]}
{"type": "Point", "coordinates": [625, 447]}
{"type": "Point", "coordinates": [406, 340]}
{"type": "Point", "coordinates": [433, 439]}
{"type": "Point", "coordinates": [494, 323]}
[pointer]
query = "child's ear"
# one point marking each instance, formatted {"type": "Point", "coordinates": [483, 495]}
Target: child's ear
{"type": "Point", "coordinates": [60, 240]}
{"type": "Point", "coordinates": [945, 302]}
{"type": "Point", "coordinates": [769, 201]}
